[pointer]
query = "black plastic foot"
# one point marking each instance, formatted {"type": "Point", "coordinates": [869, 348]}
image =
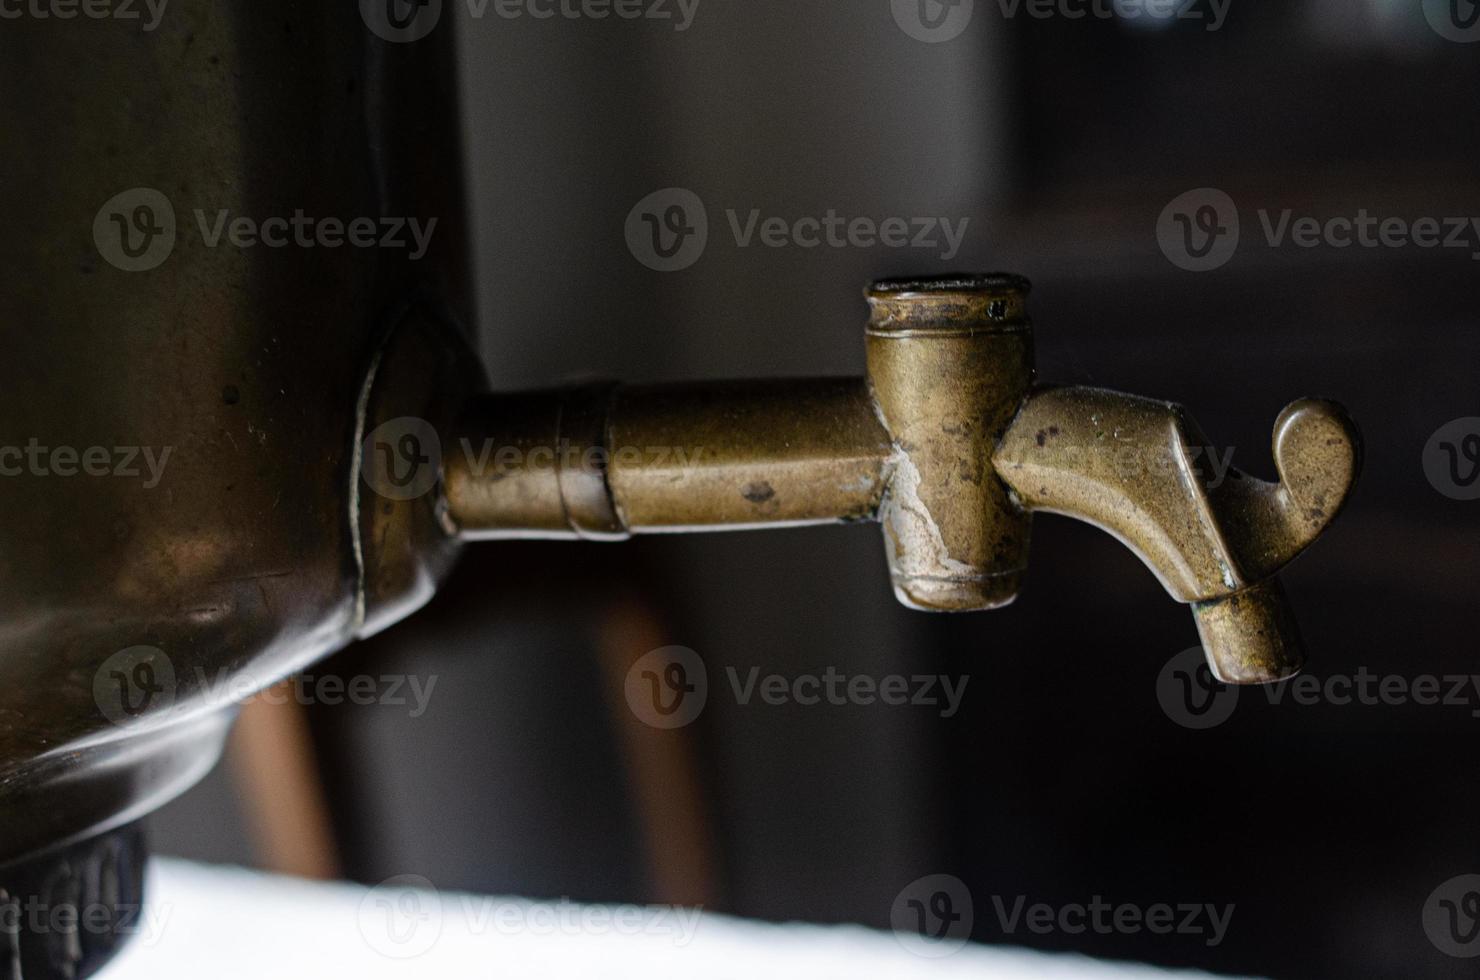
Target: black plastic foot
{"type": "Point", "coordinates": [65, 912]}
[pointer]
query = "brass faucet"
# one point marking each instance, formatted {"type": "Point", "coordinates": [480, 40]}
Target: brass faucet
{"type": "Point", "coordinates": [947, 443]}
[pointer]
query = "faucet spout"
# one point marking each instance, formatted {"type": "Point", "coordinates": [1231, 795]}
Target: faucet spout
{"type": "Point", "coordinates": [1140, 469]}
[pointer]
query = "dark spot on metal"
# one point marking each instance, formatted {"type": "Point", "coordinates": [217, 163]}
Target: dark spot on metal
{"type": "Point", "coordinates": [1041, 437]}
{"type": "Point", "coordinates": [758, 493]}
{"type": "Point", "coordinates": [231, 395]}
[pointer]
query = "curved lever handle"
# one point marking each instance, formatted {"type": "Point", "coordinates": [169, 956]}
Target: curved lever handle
{"type": "Point", "coordinates": [1317, 451]}
{"type": "Point", "coordinates": [1251, 636]}
{"type": "Point", "coordinates": [1131, 466]}
{"type": "Point", "coordinates": [1318, 454]}
{"type": "Point", "coordinates": [1137, 468]}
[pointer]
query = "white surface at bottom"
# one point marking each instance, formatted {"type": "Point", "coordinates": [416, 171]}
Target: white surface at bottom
{"type": "Point", "coordinates": [225, 923]}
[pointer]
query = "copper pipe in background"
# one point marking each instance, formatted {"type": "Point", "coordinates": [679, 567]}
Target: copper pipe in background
{"type": "Point", "coordinates": [276, 773]}
{"type": "Point", "coordinates": [663, 766]}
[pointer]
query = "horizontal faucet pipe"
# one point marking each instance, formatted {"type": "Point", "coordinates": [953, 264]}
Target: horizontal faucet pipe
{"type": "Point", "coordinates": [604, 462]}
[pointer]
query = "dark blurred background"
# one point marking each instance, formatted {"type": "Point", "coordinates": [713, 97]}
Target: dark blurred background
{"type": "Point", "coordinates": [1061, 778]}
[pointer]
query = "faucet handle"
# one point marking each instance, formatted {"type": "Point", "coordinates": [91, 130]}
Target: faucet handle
{"type": "Point", "coordinates": [1318, 455]}
{"type": "Point", "coordinates": [1251, 635]}
{"type": "Point", "coordinates": [1317, 450]}
{"type": "Point", "coordinates": [1129, 465]}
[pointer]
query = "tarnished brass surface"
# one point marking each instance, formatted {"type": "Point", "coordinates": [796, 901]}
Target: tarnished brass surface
{"type": "Point", "coordinates": [948, 365]}
{"type": "Point", "coordinates": [758, 453]}
{"type": "Point", "coordinates": [948, 445]}
{"type": "Point", "coordinates": [1250, 636]}
{"type": "Point", "coordinates": [1134, 467]}
{"type": "Point", "coordinates": [423, 371]}
{"type": "Point", "coordinates": [1131, 466]}
{"type": "Point", "coordinates": [667, 458]}
{"type": "Point", "coordinates": [246, 363]}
